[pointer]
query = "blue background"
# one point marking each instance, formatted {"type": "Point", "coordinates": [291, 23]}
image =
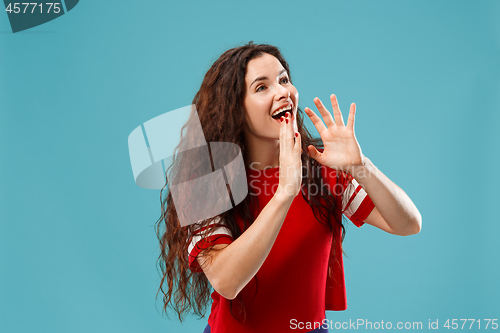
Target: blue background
{"type": "Point", "coordinates": [77, 245]}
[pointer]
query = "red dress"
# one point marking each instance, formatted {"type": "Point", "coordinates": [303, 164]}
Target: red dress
{"type": "Point", "coordinates": [292, 282]}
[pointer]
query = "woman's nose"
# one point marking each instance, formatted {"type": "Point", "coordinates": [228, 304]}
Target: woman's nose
{"type": "Point", "coordinates": [282, 92]}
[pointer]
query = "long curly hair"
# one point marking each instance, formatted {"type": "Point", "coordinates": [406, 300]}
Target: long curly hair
{"type": "Point", "coordinates": [219, 103]}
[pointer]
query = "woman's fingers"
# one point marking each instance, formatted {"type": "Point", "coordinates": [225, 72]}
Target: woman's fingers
{"type": "Point", "coordinates": [336, 110]}
{"type": "Point", "coordinates": [318, 123]}
{"type": "Point", "coordinates": [286, 134]}
{"type": "Point", "coordinates": [350, 119]}
{"type": "Point", "coordinates": [327, 117]}
{"type": "Point", "coordinates": [289, 140]}
{"type": "Point", "coordinates": [289, 132]}
{"type": "Point", "coordinates": [282, 135]}
{"type": "Point", "coordinates": [298, 144]}
{"type": "Point", "coordinates": [290, 162]}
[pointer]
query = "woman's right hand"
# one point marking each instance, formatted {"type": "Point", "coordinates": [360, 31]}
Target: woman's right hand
{"type": "Point", "coordinates": [290, 167]}
{"type": "Point", "coordinates": [230, 269]}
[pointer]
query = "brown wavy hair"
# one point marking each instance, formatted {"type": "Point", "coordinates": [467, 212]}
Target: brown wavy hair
{"type": "Point", "coordinates": [219, 103]}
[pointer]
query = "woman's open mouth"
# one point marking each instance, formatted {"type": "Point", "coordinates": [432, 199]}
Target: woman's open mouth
{"type": "Point", "coordinates": [282, 113]}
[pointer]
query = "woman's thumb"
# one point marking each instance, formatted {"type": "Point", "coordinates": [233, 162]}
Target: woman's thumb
{"type": "Point", "coordinates": [313, 152]}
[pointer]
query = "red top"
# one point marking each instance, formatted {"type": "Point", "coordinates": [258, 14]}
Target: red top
{"type": "Point", "coordinates": [292, 282]}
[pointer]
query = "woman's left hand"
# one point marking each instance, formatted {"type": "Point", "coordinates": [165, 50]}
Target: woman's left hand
{"type": "Point", "coordinates": [341, 149]}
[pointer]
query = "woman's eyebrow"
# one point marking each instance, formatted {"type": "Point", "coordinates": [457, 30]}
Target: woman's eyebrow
{"type": "Point", "coordinates": [262, 78]}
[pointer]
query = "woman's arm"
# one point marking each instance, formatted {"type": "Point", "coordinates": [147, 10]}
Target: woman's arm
{"type": "Point", "coordinates": [230, 269]}
{"type": "Point", "coordinates": [394, 211]}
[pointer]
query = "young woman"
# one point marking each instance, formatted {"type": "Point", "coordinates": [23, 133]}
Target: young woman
{"type": "Point", "coordinates": [275, 260]}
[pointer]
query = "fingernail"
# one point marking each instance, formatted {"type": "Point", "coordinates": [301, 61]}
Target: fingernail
{"type": "Point", "coordinates": [287, 120]}
{"type": "Point", "coordinates": [281, 119]}
{"type": "Point", "coordinates": [287, 115]}
{"type": "Point", "coordinates": [296, 134]}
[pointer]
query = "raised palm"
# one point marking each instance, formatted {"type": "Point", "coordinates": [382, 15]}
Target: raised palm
{"type": "Point", "coordinates": [342, 150]}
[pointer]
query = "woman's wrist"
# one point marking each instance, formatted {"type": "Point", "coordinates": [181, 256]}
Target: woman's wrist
{"type": "Point", "coordinates": [361, 169]}
{"type": "Point", "coordinates": [284, 194]}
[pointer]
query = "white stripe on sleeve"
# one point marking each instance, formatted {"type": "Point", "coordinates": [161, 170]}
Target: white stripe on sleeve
{"type": "Point", "coordinates": [356, 202]}
{"type": "Point", "coordinates": [219, 230]}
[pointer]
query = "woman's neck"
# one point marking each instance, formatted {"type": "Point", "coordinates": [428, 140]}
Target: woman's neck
{"type": "Point", "coordinates": [263, 153]}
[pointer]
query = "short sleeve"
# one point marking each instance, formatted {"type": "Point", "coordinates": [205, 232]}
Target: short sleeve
{"type": "Point", "coordinates": [219, 234]}
{"type": "Point", "coordinates": [356, 204]}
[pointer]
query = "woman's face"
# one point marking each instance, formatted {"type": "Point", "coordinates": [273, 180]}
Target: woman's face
{"type": "Point", "coordinates": [268, 89]}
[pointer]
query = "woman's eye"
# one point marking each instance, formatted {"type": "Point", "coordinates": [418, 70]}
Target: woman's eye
{"type": "Point", "coordinates": [283, 80]}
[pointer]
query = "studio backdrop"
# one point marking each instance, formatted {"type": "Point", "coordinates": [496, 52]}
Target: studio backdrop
{"type": "Point", "coordinates": [78, 247]}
